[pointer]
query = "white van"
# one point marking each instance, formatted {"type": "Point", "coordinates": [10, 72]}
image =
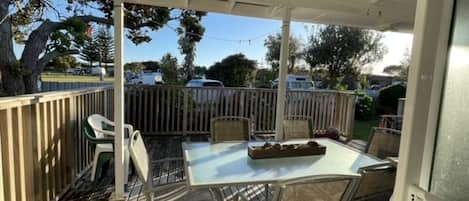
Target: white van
{"type": "Point", "coordinates": [98, 71]}
{"type": "Point", "coordinates": [204, 83]}
{"type": "Point", "coordinates": [152, 78]}
{"type": "Point", "coordinates": [297, 82]}
{"type": "Point", "coordinates": [209, 95]}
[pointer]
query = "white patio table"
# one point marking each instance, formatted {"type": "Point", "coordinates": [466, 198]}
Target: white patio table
{"type": "Point", "coordinates": [212, 165]}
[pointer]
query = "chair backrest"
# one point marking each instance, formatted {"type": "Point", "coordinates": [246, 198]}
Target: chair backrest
{"type": "Point", "coordinates": [384, 142]}
{"type": "Point", "coordinates": [297, 127]}
{"type": "Point", "coordinates": [89, 133]}
{"type": "Point", "coordinates": [96, 122]}
{"type": "Point", "coordinates": [375, 181]}
{"type": "Point", "coordinates": [230, 128]}
{"type": "Point", "coordinates": [139, 156]}
{"type": "Point", "coordinates": [337, 188]}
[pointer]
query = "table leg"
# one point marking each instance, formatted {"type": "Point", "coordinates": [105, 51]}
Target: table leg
{"type": "Point", "coordinates": [266, 189]}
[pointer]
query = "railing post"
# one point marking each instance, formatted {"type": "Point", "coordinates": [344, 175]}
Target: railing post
{"type": "Point", "coordinates": [185, 108]}
{"type": "Point", "coordinates": [105, 103]}
{"type": "Point", "coordinates": [282, 84]}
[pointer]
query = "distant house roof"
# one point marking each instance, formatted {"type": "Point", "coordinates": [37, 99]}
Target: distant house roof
{"type": "Point", "coordinates": [393, 15]}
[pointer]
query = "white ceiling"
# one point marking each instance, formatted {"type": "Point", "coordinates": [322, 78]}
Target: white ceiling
{"type": "Point", "coordinates": [392, 15]}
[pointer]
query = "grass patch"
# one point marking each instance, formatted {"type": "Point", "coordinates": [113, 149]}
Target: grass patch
{"type": "Point", "coordinates": [361, 129]}
{"type": "Point", "coordinates": [56, 77]}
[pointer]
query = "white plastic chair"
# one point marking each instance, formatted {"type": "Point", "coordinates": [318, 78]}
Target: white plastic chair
{"type": "Point", "coordinates": [99, 123]}
{"type": "Point", "coordinates": [141, 160]}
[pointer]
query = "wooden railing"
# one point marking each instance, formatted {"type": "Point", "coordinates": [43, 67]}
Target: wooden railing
{"type": "Point", "coordinates": [42, 149]}
{"type": "Point", "coordinates": [182, 110]}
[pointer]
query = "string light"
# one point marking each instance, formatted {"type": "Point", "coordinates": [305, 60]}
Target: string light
{"type": "Point", "coordinates": [240, 41]}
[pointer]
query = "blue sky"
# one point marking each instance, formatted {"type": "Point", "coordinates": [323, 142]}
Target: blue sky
{"type": "Point", "coordinates": [227, 34]}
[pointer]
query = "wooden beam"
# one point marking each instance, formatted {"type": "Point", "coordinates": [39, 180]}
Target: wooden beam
{"type": "Point", "coordinates": [231, 5]}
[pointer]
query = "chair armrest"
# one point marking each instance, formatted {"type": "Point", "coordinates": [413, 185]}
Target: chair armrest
{"type": "Point", "coordinates": [130, 128]}
{"type": "Point", "coordinates": [106, 140]}
{"type": "Point", "coordinates": [376, 167]}
{"type": "Point", "coordinates": [106, 132]}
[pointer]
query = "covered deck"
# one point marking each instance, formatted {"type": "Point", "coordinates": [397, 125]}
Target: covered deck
{"type": "Point", "coordinates": [164, 147]}
{"type": "Point", "coordinates": [47, 157]}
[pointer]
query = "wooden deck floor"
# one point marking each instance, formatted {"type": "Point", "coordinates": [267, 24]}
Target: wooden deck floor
{"type": "Point", "coordinates": [166, 172]}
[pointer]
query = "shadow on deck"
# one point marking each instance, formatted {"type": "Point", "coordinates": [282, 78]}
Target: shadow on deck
{"type": "Point", "coordinates": [161, 147]}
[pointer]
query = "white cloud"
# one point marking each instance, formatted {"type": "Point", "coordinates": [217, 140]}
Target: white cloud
{"type": "Point", "coordinates": [397, 44]}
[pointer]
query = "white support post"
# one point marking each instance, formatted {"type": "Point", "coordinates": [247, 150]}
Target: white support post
{"type": "Point", "coordinates": [119, 100]}
{"type": "Point", "coordinates": [282, 75]}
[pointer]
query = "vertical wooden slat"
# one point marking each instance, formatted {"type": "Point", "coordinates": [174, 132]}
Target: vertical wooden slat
{"type": "Point", "coordinates": [37, 150]}
{"type": "Point", "coordinates": [44, 155]}
{"type": "Point", "coordinates": [57, 145]}
{"type": "Point", "coordinates": [2, 185]}
{"type": "Point", "coordinates": [69, 135]}
{"type": "Point", "coordinates": [151, 115]}
{"type": "Point", "coordinates": [173, 108]}
{"type": "Point", "coordinates": [207, 109]}
{"type": "Point", "coordinates": [51, 149]}
{"type": "Point", "coordinates": [9, 170]}
{"type": "Point", "coordinates": [18, 139]}
{"type": "Point", "coordinates": [29, 160]}
{"type": "Point", "coordinates": [145, 110]}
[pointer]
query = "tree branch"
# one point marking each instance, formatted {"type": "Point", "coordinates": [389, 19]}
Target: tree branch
{"type": "Point", "coordinates": [52, 55]}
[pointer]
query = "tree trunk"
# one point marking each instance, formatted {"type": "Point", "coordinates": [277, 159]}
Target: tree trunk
{"type": "Point", "coordinates": [12, 83]}
{"type": "Point", "coordinates": [188, 64]}
{"type": "Point", "coordinates": [11, 78]}
{"type": "Point", "coordinates": [30, 83]}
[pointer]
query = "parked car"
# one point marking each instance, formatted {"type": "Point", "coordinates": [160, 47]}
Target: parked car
{"type": "Point", "coordinates": [76, 71]}
{"type": "Point", "coordinates": [206, 96]}
{"type": "Point", "coordinates": [152, 78]}
{"type": "Point", "coordinates": [98, 71]}
{"type": "Point", "coordinates": [297, 82]}
{"type": "Point", "coordinates": [204, 83]}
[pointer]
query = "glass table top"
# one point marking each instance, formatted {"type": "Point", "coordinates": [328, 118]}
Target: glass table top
{"type": "Point", "coordinates": [221, 164]}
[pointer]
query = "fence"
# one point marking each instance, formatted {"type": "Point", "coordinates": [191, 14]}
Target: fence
{"type": "Point", "coordinates": [181, 110]}
{"type": "Point", "coordinates": [42, 149]}
{"type": "Point", "coordinates": [61, 86]}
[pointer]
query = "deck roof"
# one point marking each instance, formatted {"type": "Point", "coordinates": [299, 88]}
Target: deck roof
{"type": "Point", "coordinates": [392, 15]}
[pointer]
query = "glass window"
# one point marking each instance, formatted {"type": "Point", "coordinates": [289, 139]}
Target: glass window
{"type": "Point", "coordinates": [212, 84]}
{"type": "Point", "coordinates": [450, 173]}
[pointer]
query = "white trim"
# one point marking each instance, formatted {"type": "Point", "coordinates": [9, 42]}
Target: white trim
{"type": "Point", "coordinates": [437, 92]}
{"type": "Point", "coordinates": [431, 33]}
{"type": "Point", "coordinates": [282, 75]}
{"type": "Point", "coordinates": [119, 99]}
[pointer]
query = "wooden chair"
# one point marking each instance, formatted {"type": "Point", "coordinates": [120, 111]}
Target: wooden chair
{"type": "Point", "coordinates": [297, 127]}
{"type": "Point", "coordinates": [143, 167]}
{"type": "Point", "coordinates": [230, 128]}
{"type": "Point", "coordinates": [375, 181]}
{"type": "Point", "coordinates": [332, 188]}
{"type": "Point", "coordinates": [383, 142]}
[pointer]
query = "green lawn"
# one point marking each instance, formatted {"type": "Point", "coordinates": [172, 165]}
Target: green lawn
{"type": "Point", "coordinates": [361, 129]}
{"type": "Point", "coordinates": [58, 77]}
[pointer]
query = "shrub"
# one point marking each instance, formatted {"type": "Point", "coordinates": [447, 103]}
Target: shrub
{"type": "Point", "coordinates": [388, 99]}
{"type": "Point", "coordinates": [364, 106]}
